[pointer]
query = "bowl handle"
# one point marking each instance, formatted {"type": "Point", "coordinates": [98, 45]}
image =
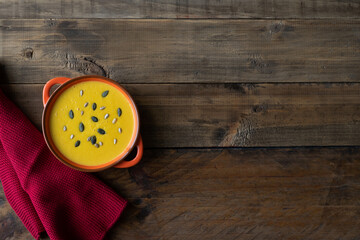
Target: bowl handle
{"type": "Point", "coordinates": [49, 84]}
{"type": "Point", "coordinates": [136, 160]}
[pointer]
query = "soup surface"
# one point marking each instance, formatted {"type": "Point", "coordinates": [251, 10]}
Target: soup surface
{"type": "Point", "coordinates": [91, 123]}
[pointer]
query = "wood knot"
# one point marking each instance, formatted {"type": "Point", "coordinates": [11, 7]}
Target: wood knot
{"type": "Point", "coordinates": [28, 53]}
{"type": "Point", "coordinates": [137, 201]}
{"type": "Point", "coordinates": [279, 27]}
{"type": "Point", "coordinates": [237, 87]}
{"type": "Point", "coordinates": [50, 22]}
{"type": "Point", "coordinates": [259, 108]}
{"type": "Point", "coordinates": [144, 212]}
{"type": "Point", "coordinates": [262, 66]}
{"type": "Point", "coordinates": [276, 27]}
{"type": "Point", "coordinates": [85, 65]}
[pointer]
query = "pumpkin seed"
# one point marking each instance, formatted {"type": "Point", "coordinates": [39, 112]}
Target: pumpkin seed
{"type": "Point", "coordinates": [81, 127]}
{"type": "Point", "coordinates": [96, 145]}
{"type": "Point", "coordinates": [93, 139]}
{"type": "Point", "coordinates": [119, 112]}
{"type": "Point", "coordinates": [105, 93]}
{"type": "Point", "coordinates": [106, 116]}
{"type": "Point", "coordinates": [114, 120]}
{"type": "Point", "coordinates": [77, 143]}
{"type": "Point", "coordinates": [82, 113]}
{"type": "Point", "coordinates": [71, 114]}
{"type": "Point", "coordinates": [86, 104]}
{"type": "Point", "coordinates": [89, 138]}
{"type": "Point", "coordinates": [115, 140]}
{"type": "Point", "coordinates": [102, 108]}
{"type": "Point", "coordinates": [64, 128]}
{"type": "Point", "coordinates": [100, 143]}
{"type": "Point", "coordinates": [94, 106]}
{"type": "Point", "coordinates": [71, 136]}
{"type": "Point", "coordinates": [81, 92]}
{"type": "Point", "coordinates": [101, 131]}
{"type": "Point", "coordinates": [95, 119]}
{"type": "Point", "coordinates": [120, 130]}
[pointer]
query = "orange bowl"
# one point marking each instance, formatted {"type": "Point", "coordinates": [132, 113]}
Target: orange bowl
{"type": "Point", "coordinates": [118, 161]}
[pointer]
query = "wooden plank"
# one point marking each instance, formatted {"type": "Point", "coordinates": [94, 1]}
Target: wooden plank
{"type": "Point", "coordinates": [281, 193]}
{"type": "Point", "coordinates": [233, 115]}
{"type": "Point", "coordinates": [179, 9]}
{"type": "Point", "coordinates": [182, 51]}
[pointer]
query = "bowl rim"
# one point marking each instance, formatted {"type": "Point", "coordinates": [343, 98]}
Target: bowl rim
{"type": "Point", "coordinates": [46, 131]}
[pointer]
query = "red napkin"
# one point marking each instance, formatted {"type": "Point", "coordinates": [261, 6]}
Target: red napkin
{"type": "Point", "coordinates": [44, 193]}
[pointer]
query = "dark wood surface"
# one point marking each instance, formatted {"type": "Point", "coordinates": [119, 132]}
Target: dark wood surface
{"type": "Point", "coordinates": [233, 115]}
{"type": "Point", "coordinates": [183, 51]}
{"type": "Point", "coordinates": [249, 109]}
{"type": "Point", "coordinates": [180, 9]}
{"type": "Point", "coordinates": [252, 193]}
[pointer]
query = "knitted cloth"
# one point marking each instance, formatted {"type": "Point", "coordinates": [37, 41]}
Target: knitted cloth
{"type": "Point", "coordinates": [46, 194]}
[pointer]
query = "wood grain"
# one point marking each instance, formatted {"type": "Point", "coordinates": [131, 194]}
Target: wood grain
{"type": "Point", "coordinates": [233, 115]}
{"type": "Point", "coordinates": [241, 194]}
{"type": "Point", "coordinates": [280, 193]}
{"type": "Point", "coordinates": [11, 227]}
{"type": "Point", "coordinates": [209, 77]}
{"type": "Point", "coordinates": [182, 51]}
{"type": "Point", "coordinates": [179, 9]}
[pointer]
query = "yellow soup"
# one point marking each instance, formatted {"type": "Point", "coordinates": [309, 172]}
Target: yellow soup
{"type": "Point", "coordinates": [91, 123]}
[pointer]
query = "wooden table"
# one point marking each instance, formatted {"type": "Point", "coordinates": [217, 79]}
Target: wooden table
{"type": "Point", "coordinates": [250, 110]}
